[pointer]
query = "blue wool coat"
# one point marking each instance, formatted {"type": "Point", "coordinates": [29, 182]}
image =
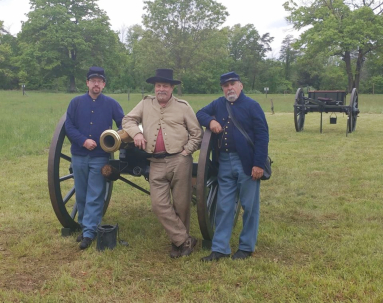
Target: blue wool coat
{"type": "Point", "coordinates": [87, 119]}
{"type": "Point", "coordinates": [250, 115]}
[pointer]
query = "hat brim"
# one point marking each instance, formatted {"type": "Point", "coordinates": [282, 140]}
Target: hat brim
{"type": "Point", "coordinates": [230, 79]}
{"type": "Point", "coordinates": [96, 75]}
{"type": "Point", "coordinates": [154, 80]}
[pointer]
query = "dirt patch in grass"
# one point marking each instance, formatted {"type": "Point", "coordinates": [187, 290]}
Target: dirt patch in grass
{"type": "Point", "coordinates": [29, 274]}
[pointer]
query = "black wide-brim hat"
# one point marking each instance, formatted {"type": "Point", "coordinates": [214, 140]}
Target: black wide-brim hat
{"type": "Point", "coordinates": [164, 75]}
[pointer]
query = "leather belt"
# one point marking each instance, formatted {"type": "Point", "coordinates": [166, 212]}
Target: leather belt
{"type": "Point", "coordinates": [162, 155]}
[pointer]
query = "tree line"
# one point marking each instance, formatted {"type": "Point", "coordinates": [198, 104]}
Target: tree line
{"type": "Point", "coordinates": [340, 47]}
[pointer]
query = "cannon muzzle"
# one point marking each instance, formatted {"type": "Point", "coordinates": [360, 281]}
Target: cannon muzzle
{"type": "Point", "coordinates": [112, 140]}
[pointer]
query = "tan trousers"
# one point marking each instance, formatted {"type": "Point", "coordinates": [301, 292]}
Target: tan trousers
{"type": "Point", "coordinates": [171, 178]}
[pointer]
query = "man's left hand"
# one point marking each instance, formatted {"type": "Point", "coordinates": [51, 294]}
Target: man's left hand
{"type": "Point", "coordinates": [184, 153]}
{"type": "Point", "coordinates": [256, 173]}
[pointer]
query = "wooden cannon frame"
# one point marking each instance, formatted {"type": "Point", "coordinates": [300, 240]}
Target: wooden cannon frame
{"type": "Point", "coordinates": [134, 162]}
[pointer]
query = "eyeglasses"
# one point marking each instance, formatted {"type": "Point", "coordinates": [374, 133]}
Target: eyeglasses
{"type": "Point", "coordinates": [96, 81]}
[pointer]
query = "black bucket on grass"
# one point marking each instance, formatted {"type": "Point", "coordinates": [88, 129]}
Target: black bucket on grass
{"type": "Point", "coordinates": [333, 119]}
{"type": "Point", "coordinates": [106, 237]}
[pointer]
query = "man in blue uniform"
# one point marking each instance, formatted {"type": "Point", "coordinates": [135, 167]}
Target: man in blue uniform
{"type": "Point", "coordinates": [240, 165]}
{"type": "Point", "coordinates": [87, 117]}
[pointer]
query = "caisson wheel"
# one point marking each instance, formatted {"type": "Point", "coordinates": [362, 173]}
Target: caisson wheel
{"type": "Point", "coordinates": [353, 112]}
{"type": "Point", "coordinates": [299, 110]}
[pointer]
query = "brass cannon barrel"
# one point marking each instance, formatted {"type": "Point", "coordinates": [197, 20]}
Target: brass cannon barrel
{"type": "Point", "coordinates": [112, 140]}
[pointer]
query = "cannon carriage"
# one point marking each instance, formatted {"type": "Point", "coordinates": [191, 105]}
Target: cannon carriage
{"type": "Point", "coordinates": [326, 101]}
{"type": "Point", "coordinates": [132, 162]}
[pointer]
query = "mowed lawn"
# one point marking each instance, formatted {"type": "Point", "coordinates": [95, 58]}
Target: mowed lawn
{"type": "Point", "coordinates": [320, 236]}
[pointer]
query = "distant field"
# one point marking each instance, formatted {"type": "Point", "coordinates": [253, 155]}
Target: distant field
{"type": "Point", "coordinates": [28, 121]}
{"type": "Point", "coordinates": [320, 237]}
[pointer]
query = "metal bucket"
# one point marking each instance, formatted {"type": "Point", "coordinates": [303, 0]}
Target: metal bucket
{"type": "Point", "coordinates": [333, 120]}
{"type": "Point", "coordinates": [106, 237]}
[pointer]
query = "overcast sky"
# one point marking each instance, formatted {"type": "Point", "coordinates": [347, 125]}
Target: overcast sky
{"type": "Point", "coordinates": [267, 16]}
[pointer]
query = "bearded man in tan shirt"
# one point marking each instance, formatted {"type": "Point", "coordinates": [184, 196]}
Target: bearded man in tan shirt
{"type": "Point", "coordinates": [171, 133]}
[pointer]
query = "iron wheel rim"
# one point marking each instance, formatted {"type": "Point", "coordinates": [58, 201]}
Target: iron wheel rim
{"type": "Point", "coordinates": [60, 181]}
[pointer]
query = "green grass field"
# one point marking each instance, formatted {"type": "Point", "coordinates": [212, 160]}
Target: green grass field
{"type": "Point", "coordinates": [320, 236]}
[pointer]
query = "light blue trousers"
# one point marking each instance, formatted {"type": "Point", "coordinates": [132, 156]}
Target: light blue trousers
{"type": "Point", "coordinates": [232, 182]}
{"type": "Point", "coordinates": [90, 192]}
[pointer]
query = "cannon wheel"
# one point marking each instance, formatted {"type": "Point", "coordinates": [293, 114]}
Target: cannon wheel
{"type": "Point", "coordinates": [354, 111]}
{"type": "Point", "coordinates": [299, 112]}
{"type": "Point", "coordinates": [61, 180]}
{"type": "Point", "coordinates": [207, 187]}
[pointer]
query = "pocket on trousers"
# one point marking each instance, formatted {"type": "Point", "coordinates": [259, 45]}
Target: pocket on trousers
{"type": "Point", "coordinates": [185, 155]}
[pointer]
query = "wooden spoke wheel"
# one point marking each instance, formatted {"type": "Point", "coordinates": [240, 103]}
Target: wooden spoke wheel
{"type": "Point", "coordinates": [299, 111]}
{"type": "Point", "coordinates": [353, 112]}
{"type": "Point", "coordinates": [207, 186]}
{"type": "Point", "coordinates": [61, 180]}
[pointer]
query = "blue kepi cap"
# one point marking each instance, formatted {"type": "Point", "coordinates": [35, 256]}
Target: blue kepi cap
{"type": "Point", "coordinates": [95, 71]}
{"type": "Point", "coordinates": [231, 76]}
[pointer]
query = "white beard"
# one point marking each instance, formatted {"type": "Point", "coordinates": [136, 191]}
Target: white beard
{"type": "Point", "coordinates": [232, 97]}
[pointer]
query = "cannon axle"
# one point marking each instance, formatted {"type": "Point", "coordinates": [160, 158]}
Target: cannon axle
{"type": "Point", "coordinates": [110, 173]}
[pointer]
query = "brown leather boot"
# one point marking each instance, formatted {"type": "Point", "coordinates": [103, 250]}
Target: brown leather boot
{"type": "Point", "coordinates": [85, 243]}
{"type": "Point", "coordinates": [79, 237]}
{"type": "Point", "coordinates": [175, 252]}
{"type": "Point", "coordinates": [188, 246]}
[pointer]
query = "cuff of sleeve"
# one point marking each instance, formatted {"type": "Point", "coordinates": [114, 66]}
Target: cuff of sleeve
{"type": "Point", "coordinates": [187, 150]}
{"type": "Point", "coordinates": [211, 119]}
{"type": "Point", "coordinates": [139, 132]}
{"type": "Point", "coordinates": [82, 141]}
{"type": "Point", "coordinates": [261, 165]}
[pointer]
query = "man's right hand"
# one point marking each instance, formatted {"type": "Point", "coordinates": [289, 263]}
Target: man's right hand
{"type": "Point", "coordinates": [215, 127]}
{"type": "Point", "coordinates": [139, 141]}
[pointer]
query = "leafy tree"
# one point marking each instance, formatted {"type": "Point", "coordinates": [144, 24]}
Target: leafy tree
{"type": "Point", "coordinates": [373, 69]}
{"type": "Point", "coordinates": [371, 79]}
{"type": "Point", "coordinates": [320, 72]}
{"type": "Point", "coordinates": [205, 78]}
{"type": "Point", "coordinates": [288, 55]}
{"type": "Point", "coordinates": [310, 71]}
{"type": "Point", "coordinates": [247, 49]}
{"type": "Point", "coordinates": [2, 30]}
{"type": "Point", "coordinates": [271, 75]}
{"type": "Point", "coordinates": [180, 34]}
{"type": "Point", "coordinates": [8, 50]}
{"type": "Point", "coordinates": [349, 30]}
{"type": "Point", "coordinates": [333, 78]}
{"type": "Point", "coordinates": [62, 38]}
{"type": "Point", "coordinates": [374, 85]}
{"type": "Point", "coordinates": [134, 35]}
